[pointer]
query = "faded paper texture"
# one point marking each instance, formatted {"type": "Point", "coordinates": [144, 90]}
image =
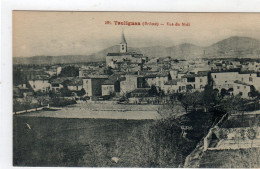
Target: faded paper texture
{"type": "Point", "coordinates": [136, 89]}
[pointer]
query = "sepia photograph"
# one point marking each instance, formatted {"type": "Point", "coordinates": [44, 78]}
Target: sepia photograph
{"type": "Point", "coordinates": [135, 89]}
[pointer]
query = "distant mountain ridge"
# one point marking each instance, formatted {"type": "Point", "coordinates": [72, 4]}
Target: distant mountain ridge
{"type": "Point", "coordinates": [234, 46]}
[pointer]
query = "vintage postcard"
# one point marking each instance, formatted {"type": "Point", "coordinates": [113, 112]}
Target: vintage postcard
{"type": "Point", "coordinates": [136, 89]}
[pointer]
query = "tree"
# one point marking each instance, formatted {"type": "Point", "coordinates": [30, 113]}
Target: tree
{"type": "Point", "coordinates": [170, 111]}
{"type": "Point", "coordinates": [253, 92]}
{"type": "Point", "coordinates": [65, 92]}
{"type": "Point", "coordinates": [153, 91]}
{"type": "Point", "coordinates": [43, 100]}
{"type": "Point", "coordinates": [233, 104]}
{"type": "Point", "coordinates": [82, 92]}
{"type": "Point", "coordinates": [191, 99]}
{"type": "Point", "coordinates": [210, 97]}
{"type": "Point", "coordinates": [17, 77]}
{"type": "Point", "coordinates": [27, 104]}
{"type": "Point", "coordinates": [69, 71]}
{"type": "Point", "coordinates": [223, 93]}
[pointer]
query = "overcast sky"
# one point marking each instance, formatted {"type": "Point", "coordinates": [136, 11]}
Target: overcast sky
{"type": "Point", "coordinates": [83, 33]}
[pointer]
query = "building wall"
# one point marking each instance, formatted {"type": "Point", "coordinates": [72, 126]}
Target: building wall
{"type": "Point", "coordinates": [174, 74]}
{"type": "Point", "coordinates": [201, 82]}
{"type": "Point", "coordinates": [87, 85]}
{"type": "Point", "coordinates": [40, 85]}
{"type": "Point", "coordinates": [59, 70]}
{"type": "Point", "coordinates": [97, 86]}
{"type": "Point", "coordinates": [150, 81]}
{"type": "Point", "coordinates": [257, 83]}
{"type": "Point", "coordinates": [224, 78]}
{"type": "Point", "coordinates": [248, 78]}
{"type": "Point", "coordinates": [93, 86]}
{"type": "Point", "coordinates": [160, 81]}
{"type": "Point", "coordinates": [129, 84]}
{"type": "Point", "coordinates": [136, 60]}
{"type": "Point", "coordinates": [82, 73]}
{"type": "Point", "coordinates": [75, 88]}
{"type": "Point", "coordinates": [110, 59]}
{"type": "Point", "coordinates": [123, 47]}
{"type": "Point", "coordinates": [56, 88]}
{"type": "Point", "coordinates": [107, 89]}
{"type": "Point", "coordinates": [51, 73]}
{"type": "Point", "coordinates": [170, 89]}
{"type": "Point", "coordinates": [242, 90]}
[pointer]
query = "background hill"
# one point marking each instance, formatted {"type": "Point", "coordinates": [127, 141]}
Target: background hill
{"type": "Point", "coordinates": [242, 47]}
{"type": "Point", "coordinates": [234, 47]}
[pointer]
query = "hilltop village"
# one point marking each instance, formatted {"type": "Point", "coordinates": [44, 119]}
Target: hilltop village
{"type": "Point", "coordinates": [138, 78]}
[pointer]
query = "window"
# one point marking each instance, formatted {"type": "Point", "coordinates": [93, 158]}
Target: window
{"type": "Point", "coordinates": [250, 79]}
{"type": "Point", "coordinates": [200, 80]}
{"type": "Point", "coordinates": [192, 79]}
{"type": "Point", "coordinates": [33, 86]}
{"type": "Point", "coordinates": [215, 76]}
{"type": "Point", "coordinates": [242, 79]}
{"type": "Point", "coordinates": [238, 87]}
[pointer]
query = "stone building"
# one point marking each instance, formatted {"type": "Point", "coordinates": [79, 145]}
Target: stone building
{"type": "Point", "coordinates": [93, 84]}
{"type": "Point", "coordinates": [114, 60]}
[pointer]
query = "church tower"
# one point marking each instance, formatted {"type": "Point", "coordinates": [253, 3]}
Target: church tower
{"type": "Point", "coordinates": [123, 44]}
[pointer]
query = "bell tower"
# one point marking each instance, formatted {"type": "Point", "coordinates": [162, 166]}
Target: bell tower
{"type": "Point", "coordinates": [123, 44]}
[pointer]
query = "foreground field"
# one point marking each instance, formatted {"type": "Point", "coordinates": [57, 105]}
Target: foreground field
{"type": "Point", "coordinates": [45, 141]}
{"type": "Point", "coordinates": [64, 142]}
{"type": "Point", "coordinates": [103, 111]}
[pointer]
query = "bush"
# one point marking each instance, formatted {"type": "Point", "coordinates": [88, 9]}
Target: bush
{"type": "Point", "coordinates": [155, 144]}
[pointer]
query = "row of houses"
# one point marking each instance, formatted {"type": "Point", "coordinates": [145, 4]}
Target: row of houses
{"type": "Point", "coordinates": [170, 82]}
{"type": "Point", "coordinates": [236, 83]}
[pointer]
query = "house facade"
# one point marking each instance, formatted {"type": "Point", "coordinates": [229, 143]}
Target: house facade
{"type": "Point", "coordinates": [41, 85]}
{"type": "Point", "coordinates": [93, 85]}
{"type": "Point", "coordinates": [128, 84]}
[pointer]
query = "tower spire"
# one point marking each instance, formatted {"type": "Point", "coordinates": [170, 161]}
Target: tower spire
{"type": "Point", "coordinates": [123, 44]}
{"type": "Point", "coordinates": [123, 38]}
